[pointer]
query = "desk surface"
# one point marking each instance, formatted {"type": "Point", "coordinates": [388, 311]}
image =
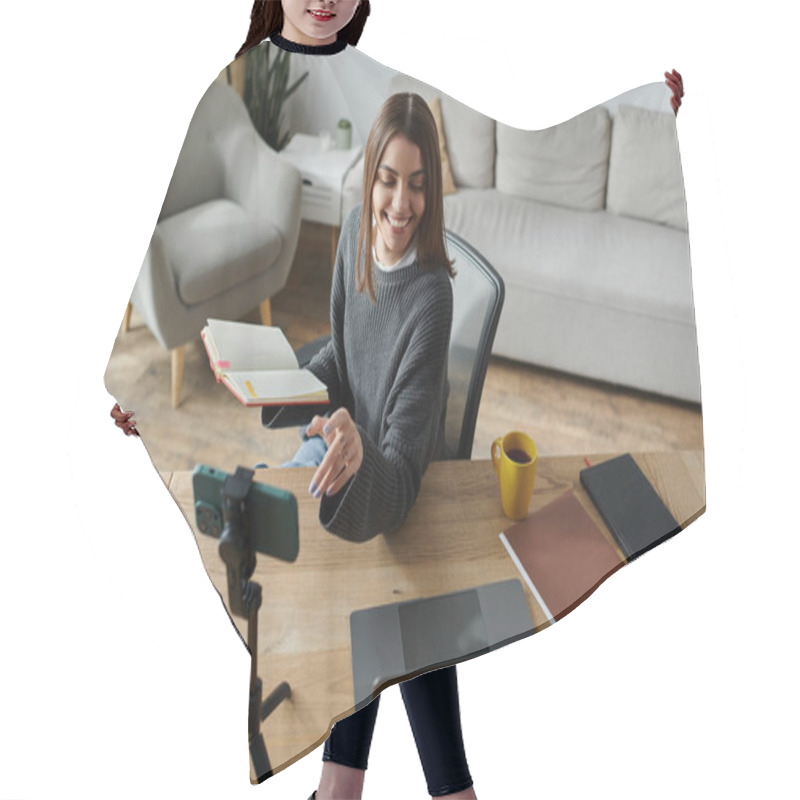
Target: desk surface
{"type": "Point", "coordinates": [450, 541]}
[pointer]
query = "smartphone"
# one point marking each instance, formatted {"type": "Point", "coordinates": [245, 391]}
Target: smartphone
{"type": "Point", "coordinates": [271, 513]}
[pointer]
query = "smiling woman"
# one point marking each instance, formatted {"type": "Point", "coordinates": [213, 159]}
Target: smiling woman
{"type": "Point", "coordinates": [307, 22]}
{"type": "Point", "coordinates": [402, 190]}
{"type": "Point", "coordinates": [385, 367]}
{"type": "Point", "coordinates": [316, 21]}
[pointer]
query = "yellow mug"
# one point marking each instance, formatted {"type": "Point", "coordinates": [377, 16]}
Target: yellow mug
{"type": "Point", "coordinates": [514, 459]}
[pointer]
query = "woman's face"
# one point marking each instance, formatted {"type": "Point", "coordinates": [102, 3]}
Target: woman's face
{"type": "Point", "coordinates": [398, 198]}
{"type": "Point", "coordinates": [315, 22]}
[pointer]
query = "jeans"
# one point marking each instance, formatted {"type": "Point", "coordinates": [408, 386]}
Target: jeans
{"type": "Point", "coordinates": [309, 454]}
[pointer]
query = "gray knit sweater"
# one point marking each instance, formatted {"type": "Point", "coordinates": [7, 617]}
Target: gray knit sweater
{"type": "Point", "coordinates": [386, 364]}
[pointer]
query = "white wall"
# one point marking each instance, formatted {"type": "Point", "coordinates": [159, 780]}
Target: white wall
{"type": "Point", "coordinates": [352, 86]}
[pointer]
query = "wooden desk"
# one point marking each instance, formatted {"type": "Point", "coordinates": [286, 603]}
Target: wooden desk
{"type": "Point", "coordinates": [449, 542]}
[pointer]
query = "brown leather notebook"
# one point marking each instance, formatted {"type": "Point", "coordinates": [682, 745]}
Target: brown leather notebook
{"type": "Point", "coordinates": [562, 555]}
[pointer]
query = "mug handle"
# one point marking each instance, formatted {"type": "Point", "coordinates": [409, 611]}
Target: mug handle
{"type": "Point", "coordinates": [496, 448]}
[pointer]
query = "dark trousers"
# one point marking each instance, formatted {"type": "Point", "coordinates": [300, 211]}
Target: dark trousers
{"type": "Point", "coordinates": [431, 702]}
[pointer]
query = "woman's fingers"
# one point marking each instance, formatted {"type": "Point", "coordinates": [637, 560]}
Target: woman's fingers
{"type": "Point", "coordinates": [332, 466]}
{"type": "Point", "coordinates": [344, 456]}
{"type": "Point", "coordinates": [350, 468]}
{"type": "Point", "coordinates": [124, 420]}
{"type": "Point", "coordinates": [315, 427]}
{"type": "Point", "coordinates": [675, 76]}
{"type": "Point", "coordinates": [339, 482]}
{"type": "Point", "coordinates": [674, 81]}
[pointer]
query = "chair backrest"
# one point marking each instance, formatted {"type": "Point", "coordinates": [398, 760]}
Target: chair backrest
{"type": "Point", "coordinates": [478, 294]}
{"type": "Point", "coordinates": [199, 174]}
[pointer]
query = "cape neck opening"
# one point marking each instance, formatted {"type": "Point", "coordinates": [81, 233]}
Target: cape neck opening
{"type": "Point", "coordinates": [308, 49]}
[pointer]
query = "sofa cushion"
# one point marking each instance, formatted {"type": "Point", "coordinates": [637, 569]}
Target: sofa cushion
{"type": "Point", "coordinates": [216, 246]}
{"type": "Point", "coordinates": [469, 135]}
{"type": "Point", "coordinates": [566, 165]}
{"type": "Point", "coordinates": [591, 257]}
{"type": "Point", "coordinates": [645, 178]}
{"type": "Point", "coordinates": [448, 185]}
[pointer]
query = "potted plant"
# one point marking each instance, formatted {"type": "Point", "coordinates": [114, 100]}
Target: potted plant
{"type": "Point", "coordinates": [266, 90]}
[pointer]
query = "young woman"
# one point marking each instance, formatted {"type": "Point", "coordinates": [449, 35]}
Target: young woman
{"type": "Point", "coordinates": [391, 312]}
{"type": "Point", "coordinates": [386, 372]}
{"type": "Point", "coordinates": [330, 24]}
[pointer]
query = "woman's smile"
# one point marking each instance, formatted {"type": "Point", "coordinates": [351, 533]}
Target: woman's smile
{"type": "Point", "coordinates": [319, 14]}
{"type": "Point", "coordinates": [397, 223]}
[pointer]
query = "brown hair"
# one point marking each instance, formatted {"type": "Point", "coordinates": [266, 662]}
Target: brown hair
{"type": "Point", "coordinates": [266, 19]}
{"type": "Point", "coordinates": [407, 114]}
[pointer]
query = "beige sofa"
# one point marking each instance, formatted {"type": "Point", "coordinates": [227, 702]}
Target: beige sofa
{"type": "Point", "coordinates": [586, 223]}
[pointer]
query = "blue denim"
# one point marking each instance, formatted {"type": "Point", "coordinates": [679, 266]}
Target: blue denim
{"type": "Point", "coordinates": [310, 453]}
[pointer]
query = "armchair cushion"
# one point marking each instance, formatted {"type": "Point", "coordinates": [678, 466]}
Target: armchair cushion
{"type": "Point", "coordinates": [215, 246]}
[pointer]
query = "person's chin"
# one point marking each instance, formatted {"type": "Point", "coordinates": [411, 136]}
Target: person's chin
{"type": "Point", "coordinates": [397, 245]}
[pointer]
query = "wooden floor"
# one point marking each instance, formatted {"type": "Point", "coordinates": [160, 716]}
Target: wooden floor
{"type": "Point", "coordinates": [564, 415]}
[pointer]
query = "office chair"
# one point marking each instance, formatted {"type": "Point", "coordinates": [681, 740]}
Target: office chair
{"type": "Point", "coordinates": [478, 294]}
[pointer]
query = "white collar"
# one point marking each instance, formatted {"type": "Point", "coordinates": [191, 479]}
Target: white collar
{"type": "Point", "coordinates": [408, 258]}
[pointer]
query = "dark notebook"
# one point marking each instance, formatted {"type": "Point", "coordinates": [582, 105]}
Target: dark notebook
{"type": "Point", "coordinates": [629, 505]}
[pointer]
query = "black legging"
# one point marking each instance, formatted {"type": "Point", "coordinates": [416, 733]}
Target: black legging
{"type": "Point", "coordinates": [432, 706]}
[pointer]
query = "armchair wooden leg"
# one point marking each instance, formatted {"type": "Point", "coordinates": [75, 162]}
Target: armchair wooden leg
{"type": "Point", "coordinates": [177, 374]}
{"type": "Point", "coordinates": [126, 320]}
{"type": "Point", "coordinates": [266, 312]}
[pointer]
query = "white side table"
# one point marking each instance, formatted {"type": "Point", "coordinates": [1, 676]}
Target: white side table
{"type": "Point", "coordinates": [323, 173]}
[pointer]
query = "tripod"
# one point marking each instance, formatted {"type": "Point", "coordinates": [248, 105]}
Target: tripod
{"type": "Point", "coordinates": [244, 596]}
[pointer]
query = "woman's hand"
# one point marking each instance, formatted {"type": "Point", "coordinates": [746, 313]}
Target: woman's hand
{"type": "Point", "coordinates": [675, 83]}
{"type": "Point", "coordinates": [344, 456]}
{"type": "Point", "coordinates": [124, 420]}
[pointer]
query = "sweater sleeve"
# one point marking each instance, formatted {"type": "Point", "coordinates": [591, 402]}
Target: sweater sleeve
{"type": "Point", "coordinates": [378, 498]}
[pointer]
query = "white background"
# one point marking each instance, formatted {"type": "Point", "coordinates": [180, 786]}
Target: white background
{"type": "Point", "coordinates": [121, 675]}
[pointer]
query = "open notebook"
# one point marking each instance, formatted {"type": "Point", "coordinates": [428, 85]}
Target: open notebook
{"type": "Point", "coordinates": [258, 365]}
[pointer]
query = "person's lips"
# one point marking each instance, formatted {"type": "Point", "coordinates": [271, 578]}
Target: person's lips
{"type": "Point", "coordinates": [397, 224]}
{"type": "Point", "coordinates": [321, 16]}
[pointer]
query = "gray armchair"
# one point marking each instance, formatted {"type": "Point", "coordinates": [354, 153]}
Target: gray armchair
{"type": "Point", "coordinates": [227, 232]}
